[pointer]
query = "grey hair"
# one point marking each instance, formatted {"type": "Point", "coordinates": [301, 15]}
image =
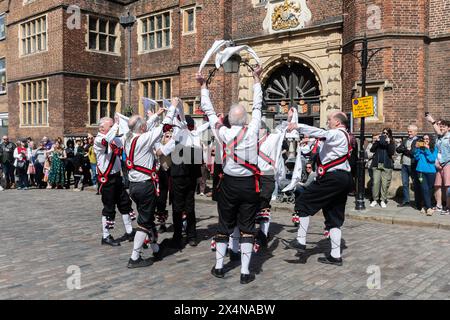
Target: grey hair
{"type": "Point", "coordinates": [135, 124]}
{"type": "Point", "coordinates": [413, 127]}
{"type": "Point", "coordinates": [105, 119]}
{"type": "Point", "coordinates": [237, 115]}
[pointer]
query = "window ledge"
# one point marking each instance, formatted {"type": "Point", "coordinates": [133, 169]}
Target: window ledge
{"type": "Point", "coordinates": [115, 54]}
{"type": "Point", "coordinates": [32, 54]}
{"type": "Point", "coordinates": [155, 50]}
{"type": "Point", "coordinates": [189, 33]}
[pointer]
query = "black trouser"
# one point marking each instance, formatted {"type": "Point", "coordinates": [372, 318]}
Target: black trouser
{"type": "Point", "coordinates": [8, 170]}
{"type": "Point", "coordinates": [163, 190]}
{"type": "Point", "coordinates": [144, 195]}
{"type": "Point", "coordinates": [70, 171]}
{"type": "Point", "coordinates": [183, 200]}
{"type": "Point", "coordinates": [328, 193]}
{"type": "Point", "coordinates": [39, 167]}
{"type": "Point", "coordinates": [238, 203]}
{"type": "Point", "coordinates": [267, 186]}
{"type": "Point", "coordinates": [114, 194]}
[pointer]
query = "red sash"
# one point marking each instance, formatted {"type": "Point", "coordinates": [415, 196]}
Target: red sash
{"type": "Point", "coordinates": [103, 176]}
{"type": "Point", "coordinates": [264, 156]}
{"type": "Point", "coordinates": [231, 147]}
{"type": "Point", "coordinates": [152, 173]}
{"type": "Point", "coordinates": [323, 168]}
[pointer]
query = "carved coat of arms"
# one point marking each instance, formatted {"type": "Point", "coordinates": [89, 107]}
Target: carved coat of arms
{"type": "Point", "coordinates": [289, 15]}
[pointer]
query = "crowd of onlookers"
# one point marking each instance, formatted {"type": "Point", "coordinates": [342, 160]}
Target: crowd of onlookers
{"type": "Point", "coordinates": [425, 160]}
{"type": "Point", "coordinates": [48, 164]}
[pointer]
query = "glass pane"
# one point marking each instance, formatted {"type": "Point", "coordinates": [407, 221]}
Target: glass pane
{"type": "Point", "coordinates": [144, 25]}
{"type": "Point", "coordinates": [45, 89]}
{"type": "Point", "coordinates": [112, 28]}
{"type": "Point", "coordinates": [33, 27]}
{"type": "Point", "coordinates": [144, 42]}
{"type": "Point", "coordinates": [190, 20]}
{"type": "Point", "coordinates": [44, 113]}
{"type": "Point", "coordinates": [39, 115]}
{"type": "Point", "coordinates": [92, 41]}
{"type": "Point", "coordinates": [145, 85]}
{"type": "Point", "coordinates": [39, 43]}
{"type": "Point", "coordinates": [153, 90]}
{"type": "Point", "coordinates": [29, 113]}
{"type": "Point", "coordinates": [102, 42]}
{"type": "Point", "coordinates": [159, 22]}
{"type": "Point", "coordinates": [103, 109]}
{"type": "Point", "coordinates": [167, 20]}
{"type": "Point", "coordinates": [38, 26]}
{"type": "Point", "coordinates": [103, 91]}
{"type": "Point", "coordinates": [24, 113]}
{"type": "Point", "coordinates": [112, 92]}
{"type": "Point", "coordinates": [160, 90]}
{"type": "Point", "coordinates": [33, 90]}
{"type": "Point", "coordinates": [44, 24]}
{"type": "Point", "coordinates": [28, 30]}
{"type": "Point", "coordinates": [152, 41]}
{"type": "Point", "coordinates": [159, 39]}
{"type": "Point", "coordinates": [92, 23]}
{"type": "Point", "coordinates": [167, 38]}
{"type": "Point", "coordinates": [28, 92]}
{"type": "Point", "coordinates": [35, 113]}
{"type": "Point", "coordinates": [152, 24]}
{"type": "Point", "coordinates": [44, 41]}
{"type": "Point", "coordinates": [112, 110]}
{"type": "Point", "coordinates": [112, 44]}
{"type": "Point", "coordinates": [2, 64]}
{"type": "Point", "coordinates": [94, 90]}
{"type": "Point", "coordinates": [28, 50]}
{"type": "Point", "coordinates": [102, 25]}
{"type": "Point", "coordinates": [93, 113]}
{"type": "Point", "coordinates": [39, 91]}
{"type": "Point", "coordinates": [168, 89]}
{"type": "Point", "coordinates": [33, 44]}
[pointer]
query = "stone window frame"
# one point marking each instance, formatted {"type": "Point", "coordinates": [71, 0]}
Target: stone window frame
{"type": "Point", "coordinates": [260, 3]}
{"type": "Point", "coordinates": [378, 86]}
{"type": "Point", "coordinates": [164, 28]}
{"type": "Point", "coordinates": [3, 17]}
{"type": "Point", "coordinates": [187, 106]}
{"type": "Point", "coordinates": [3, 71]}
{"type": "Point", "coordinates": [107, 33]}
{"type": "Point", "coordinates": [98, 100]}
{"type": "Point", "coordinates": [143, 93]}
{"type": "Point", "coordinates": [29, 103]}
{"type": "Point", "coordinates": [184, 13]}
{"type": "Point", "coordinates": [33, 38]}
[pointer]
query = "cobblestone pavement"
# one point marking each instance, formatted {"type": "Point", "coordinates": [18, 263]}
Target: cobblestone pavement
{"type": "Point", "coordinates": [44, 232]}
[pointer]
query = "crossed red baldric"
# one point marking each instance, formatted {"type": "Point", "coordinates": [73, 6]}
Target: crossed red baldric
{"type": "Point", "coordinates": [323, 168]}
{"type": "Point", "coordinates": [103, 176]}
{"type": "Point", "coordinates": [264, 156]}
{"type": "Point", "coordinates": [132, 166]}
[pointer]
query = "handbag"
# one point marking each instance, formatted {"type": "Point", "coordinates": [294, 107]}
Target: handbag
{"type": "Point", "coordinates": [31, 169]}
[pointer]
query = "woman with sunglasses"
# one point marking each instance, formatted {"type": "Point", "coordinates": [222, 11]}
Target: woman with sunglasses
{"type": "Point", "coordinates": [426, 154]}
{"type": "Point", "coordinates": [383, 150]}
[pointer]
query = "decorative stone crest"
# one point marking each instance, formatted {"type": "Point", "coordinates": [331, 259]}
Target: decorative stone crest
{"type": "Point", "coordinates": [289, 15]}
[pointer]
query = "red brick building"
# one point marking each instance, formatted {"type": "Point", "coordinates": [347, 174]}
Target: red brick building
{"type": "Point", "coordinates": [67, 61]}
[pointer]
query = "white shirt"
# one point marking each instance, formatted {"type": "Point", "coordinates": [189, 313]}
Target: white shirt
{"type": "Point", "coordinates": [104, 153]}
{"type": "Point", "coordinates": [272, 148]}
{"type": "Point", "coordinates": [144, 153]}
{"type": "Point", "coordinates": [247, 149]}
{"type": "Point", "coordinates": [334, 147]}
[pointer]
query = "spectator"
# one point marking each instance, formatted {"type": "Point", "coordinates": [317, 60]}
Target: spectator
{"type": "Point", "coordinates": [21, 164]}
{"type": "Point", "coordinates": [47, 143]}
{"type": "Point", "coordinates": [92, 159]}
{"type": "Point", "coordinates": [56, 176]}
{"type": "Point", "coordinates": [442, 183]}
{"type": "Point", "coordinates": [69, 163]}
{"type": "Point", "coordinates": [369, 156]}
{"type": "Point", "coordinates": [383, 150]}
{"type": "Point", "coordinates": [78, 160]}
{"type": "Point", "coordinates": [406, 149]}
{"type": "Point", "coordinates": [7, 159]}
{"type": "Point", "coordinates": [39, 156]}
{"type": "Point", "coordinates": [31, 169]}
{"type": "Point", "coordinates": [426, 155]}
{"type": "Point", "coordinates": [307, 179]}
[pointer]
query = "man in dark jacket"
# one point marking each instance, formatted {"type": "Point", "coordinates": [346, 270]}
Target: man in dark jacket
{"type": "Point", "coordinates": [406, 149]}
{"type": "Point", "coordinates": [7, 159]}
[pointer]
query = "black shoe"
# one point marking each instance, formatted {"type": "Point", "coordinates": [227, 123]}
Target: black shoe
{"type": "Point", "coordinates": [192, 243]}
{"type": "Point", "coordinates": [139, 263]}
{"type": "Point", "coordinates": [218, 273]}
{"type": "Point", "coordinates": [235, 256]}
{"type": "Point", "coordinates": [162, 228]}
{"type": "Point", "coordinates": [330, 260]}
{"type": "Point", "coordinates": [294, 244]}
{"type": "Point", "coordinates": [176, 243]}
{"type": "Point", "coordinates": [247, 278]}
{"type": "Point", "coordinates": [110, 241]}
{"type": "Point", "coordinates": [127, 237]}
{"type": "Point", "coordinates": [158, 256]}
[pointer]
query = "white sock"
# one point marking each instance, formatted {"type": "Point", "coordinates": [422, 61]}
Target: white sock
{"type": "Point", "coordinates": [246, 255]}
{"type": "Point", "coordinates": [335, 236]}
{"type": "Point", "coordinates": [221, 251]}
{"type": "Point", "coordinates": [302, 230]}
{"type": "Point", "coordinates": [139, 239]}
{"type": "Point", "coordinates": [265, 227]}
{"type": "Point", "coordinates": [127, 222]}
{"type": "Point", "coordinates": [105, 231]}
{"type": "Point", "coordinates": [234, 240]}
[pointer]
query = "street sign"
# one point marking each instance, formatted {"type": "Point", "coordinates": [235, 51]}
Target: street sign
{"type": "Point", "coordinates": [363, 107]}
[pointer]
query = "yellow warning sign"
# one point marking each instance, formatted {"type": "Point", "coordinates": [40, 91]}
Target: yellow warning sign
{"type": "Point", "coordinates": [363, 107]}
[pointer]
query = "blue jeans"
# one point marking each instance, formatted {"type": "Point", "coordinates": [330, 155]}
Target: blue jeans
{"type": "Point", "coordinates": [94, 173]}
{"type": "Point", "coordinates": [427, 187]}
{"type": "Point", "coordinates": [410, 172]}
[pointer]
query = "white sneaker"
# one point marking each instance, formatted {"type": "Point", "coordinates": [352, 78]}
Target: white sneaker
{"type": "Point", "coordinates": [445, 212]}
{"type": "Point", "coordinates": [383, 204]}
{"type": "Point", "coordinates": [374, 204]}
{"type": "Point", "coordinates": [1, 188]}
{"type": "Point", "coordinates": [202, 194]}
